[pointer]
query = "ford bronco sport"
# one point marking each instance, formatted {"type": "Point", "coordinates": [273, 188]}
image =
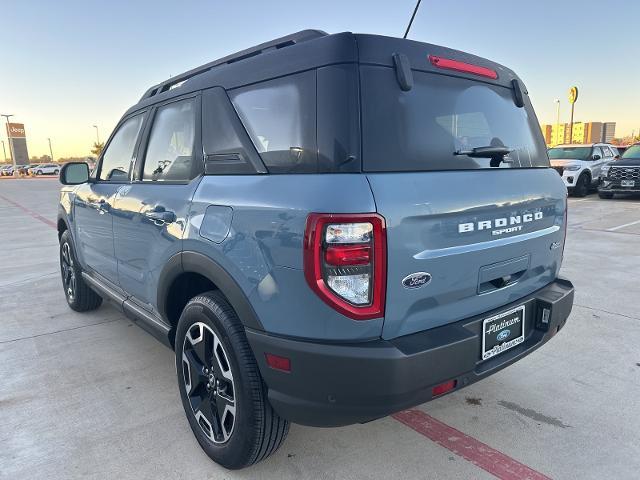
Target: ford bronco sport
{"type": "Point", "coordinates": [326, 228]}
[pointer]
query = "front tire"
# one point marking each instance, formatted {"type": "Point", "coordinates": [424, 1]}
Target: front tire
{"type": "Point", "coordinates": [222, 392]}
{"type": "Point", "coordinates": [39, 172]}
{"type": "Point", "coordinates": [582, 186]}
{"type": "Point", "coordinates": [79, 295]}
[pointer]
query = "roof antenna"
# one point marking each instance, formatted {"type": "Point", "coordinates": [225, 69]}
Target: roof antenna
{"type": "Point", "coordinates": [412, 17]}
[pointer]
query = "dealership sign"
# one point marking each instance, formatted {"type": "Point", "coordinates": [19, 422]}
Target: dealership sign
{"type": "Point", "coordinates": [15, 130]}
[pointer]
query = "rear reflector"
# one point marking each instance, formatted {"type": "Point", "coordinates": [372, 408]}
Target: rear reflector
{"type": "Point", "coordinates": [443, 388]}
{"type": "Point", "coordinates": [342, 255]}
{"type": "Point", "coordinates": [458, 66]}
{"type": "Point", "coordinates": [278, 363]}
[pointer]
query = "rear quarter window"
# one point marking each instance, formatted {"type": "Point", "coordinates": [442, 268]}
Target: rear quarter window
{"type": "Point", "coordinates": [420, 130]}
{"type": "Point", "coordinates": [280, 117]}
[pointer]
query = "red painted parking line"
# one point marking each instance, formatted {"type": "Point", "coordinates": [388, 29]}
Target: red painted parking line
{"type": "Point", "coordinates": [476, 452]}
{"type": "Point", "coordinates": [30, 212]}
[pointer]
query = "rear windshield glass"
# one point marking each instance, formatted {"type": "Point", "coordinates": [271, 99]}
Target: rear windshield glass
{"type": "Point", "coordinates": [570, 153]}
{"type": "Point", "coordinates": [436, 124]}
{"type": "Point", "coordinates": [632, 152]}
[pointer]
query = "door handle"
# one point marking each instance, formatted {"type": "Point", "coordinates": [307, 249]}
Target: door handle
{"type": "Point", "coordinates": [101, 206]}
{"type": "Point", "coordinates": [160, 216]}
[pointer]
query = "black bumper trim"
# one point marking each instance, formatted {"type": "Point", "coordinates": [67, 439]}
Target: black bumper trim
{"type": "Point", "coordinates": [342, 384]}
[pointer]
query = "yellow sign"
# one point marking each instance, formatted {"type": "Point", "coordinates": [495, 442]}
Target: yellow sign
{"type": "Point", "coordinates": [573, 94]}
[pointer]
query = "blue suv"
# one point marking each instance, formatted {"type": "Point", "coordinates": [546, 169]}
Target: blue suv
{"type": "Point", "coordinates": [326, 229]}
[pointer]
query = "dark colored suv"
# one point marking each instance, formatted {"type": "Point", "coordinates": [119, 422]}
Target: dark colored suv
{"type": "Point", "coordinates": [326, 228]}
{"type": "Point", "coordinates": [622, 176]}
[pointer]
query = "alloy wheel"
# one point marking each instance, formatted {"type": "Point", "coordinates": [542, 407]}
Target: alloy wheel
{"type": "Point", "coordinates": [208, 381]}
{"type": "Point", "coordinates": [68, 272]}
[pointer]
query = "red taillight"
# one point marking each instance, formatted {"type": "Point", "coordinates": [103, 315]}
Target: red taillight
{"type": "Point", "coordinates": [443, 388]}
{"type": "Point", "coordinates": [458, 66]}
{"type": "Point", "coordinates": [344, 255]}
{"type": "Point", "coordinates": [278, 363]}
{"type": "Point", "coordinates": [345, 262]}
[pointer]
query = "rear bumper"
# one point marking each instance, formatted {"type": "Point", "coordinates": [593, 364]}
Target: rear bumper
{"type": "Point", "coordinates": [338, 384]}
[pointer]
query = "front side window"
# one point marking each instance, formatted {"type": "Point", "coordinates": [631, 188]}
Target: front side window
{"type": "Point", "coordinates": [170, 151]}
{"type": "Point", "coordinates": [280, 117]}
{"type": "Point", "coordinates": [116, 160]}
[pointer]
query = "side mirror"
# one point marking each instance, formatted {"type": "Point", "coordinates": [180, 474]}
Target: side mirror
{"type": "Point", "coordinates": [596, 157]}
{"type": "Point", "coordinates": [74, 173]}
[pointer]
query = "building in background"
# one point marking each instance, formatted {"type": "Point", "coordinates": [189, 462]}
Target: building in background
{"type": "Point", "coordinates": [608, 131]}
{"type": "Point", "coordinates": [589, 132]}
{"type": "Point", "coordinates": [547, 133]}
{"type": "Point", "coordinates": [18, 143]}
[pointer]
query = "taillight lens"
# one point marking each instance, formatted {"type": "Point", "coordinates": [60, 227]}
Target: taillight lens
{"type": "Point", "coordinates": [345, 262]}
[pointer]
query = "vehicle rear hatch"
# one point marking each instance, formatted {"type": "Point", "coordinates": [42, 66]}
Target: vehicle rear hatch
{"type": "Point", "coordinates": [486, 235]}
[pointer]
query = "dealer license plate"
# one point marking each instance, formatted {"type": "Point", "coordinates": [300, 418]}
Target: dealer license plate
{"type": "Point", "coordinates": [502, 332]}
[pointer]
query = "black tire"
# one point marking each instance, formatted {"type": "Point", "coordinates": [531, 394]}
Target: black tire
{"type": "Point", "coordinates": [257, 430]}
{"type": "Point", "coordinates": [56, 172]}
{"type": "Point", "coordinates": [39, 172]}
{"type": "Point", "coordinates": [79, 295]}
{"type": "Point", "coordinates": [582, 186]}
{"type": "Point", "coordinates": [605, 195]}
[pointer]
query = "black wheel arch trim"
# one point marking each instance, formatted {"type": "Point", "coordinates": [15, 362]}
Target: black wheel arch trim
{"type": "Point", "coordinates": [194, 262]}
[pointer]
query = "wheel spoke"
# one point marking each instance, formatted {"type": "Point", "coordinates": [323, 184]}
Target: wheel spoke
{"type": "Point", "coordinates": [208, 382]}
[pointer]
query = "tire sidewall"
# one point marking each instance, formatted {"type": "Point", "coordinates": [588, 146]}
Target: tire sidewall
{"type": "Point", "coordinates": [582, 185]}
{"type": "Point", "coordinates": [238, 448]}
{"type": "Point", "coordinates": [66, 238]}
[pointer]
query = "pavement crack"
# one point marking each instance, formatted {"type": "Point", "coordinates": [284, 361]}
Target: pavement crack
{"type": "Point", "coordinates": [606, 311]}
{"type": "Point", "coordinates": [62, 330]}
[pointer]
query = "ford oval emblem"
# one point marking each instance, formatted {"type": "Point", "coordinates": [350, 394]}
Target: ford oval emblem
{"type": "Point", "coordinates": [416, 280]}
{"type": "Point", "coordinates": [503, 335]}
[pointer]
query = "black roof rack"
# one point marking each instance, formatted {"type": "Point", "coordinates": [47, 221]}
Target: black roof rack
{"type": "Point", "coordinates": [281, 42]}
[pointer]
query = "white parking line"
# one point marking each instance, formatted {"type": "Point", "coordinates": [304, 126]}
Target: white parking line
{"type": "Point", "coordinates": [613, 229]}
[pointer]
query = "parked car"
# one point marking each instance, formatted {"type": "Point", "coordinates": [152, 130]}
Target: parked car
{"type": "Point", "coordinates": [6, 170]}
{"type": "Point", "coordinates": [45, 169]}
{"type": "Point", "coordinates": [22, 169]}
{"type": "Point", "coordinates": [327, 229]}
{"type": "Point", "coordinates": [622, 176]}
{"type": "Point", "coordinates": [580, 165]}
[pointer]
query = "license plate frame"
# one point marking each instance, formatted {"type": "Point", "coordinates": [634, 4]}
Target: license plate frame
{"type": "Point", "coordinates": [509, 319]}
{"type": "Point", "coordinates": [628, 183]}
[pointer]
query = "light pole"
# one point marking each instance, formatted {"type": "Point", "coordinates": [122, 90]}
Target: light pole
{"type": "Point", "coordinates": [4, 151]}
{"type": "Point", "coordinates": [557, 100]}
{"type": "Point", "coordinates": [50, 149]}
{"type": "Point", "coordinates": [13, 160]}
{"type": "Point", "coordinates": [97, 134]}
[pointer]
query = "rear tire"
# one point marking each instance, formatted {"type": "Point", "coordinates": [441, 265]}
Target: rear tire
{"type": "Point", "coordinates": [217, 374]}
{"type": "Point", "coordinates": [79, 295]}
{"type": "Point", "coordinates": [605, 195]}
{"type": "Point", "coordinates": [582, 186]}
{"type": "Point", "coordinates": [39, 172]}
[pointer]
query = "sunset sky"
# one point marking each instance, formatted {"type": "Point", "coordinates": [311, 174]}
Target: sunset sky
{"type": "Point", "coordinates": [67, 65]}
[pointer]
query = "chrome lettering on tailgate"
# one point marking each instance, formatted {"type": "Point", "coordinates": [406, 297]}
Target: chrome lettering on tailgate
{"type": "Point", "coordinates": [500, 226]}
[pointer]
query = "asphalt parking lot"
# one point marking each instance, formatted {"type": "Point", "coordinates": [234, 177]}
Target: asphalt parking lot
{"type": "Point", "coordinates": [93, 396]}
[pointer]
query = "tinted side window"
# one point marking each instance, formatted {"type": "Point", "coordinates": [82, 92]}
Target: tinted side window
{"type": "Point", "coordinates": [607, 152]}
{"type": "Point", "coordinates": [116, 159]}
{"type": "Point", "coordinates": [280, 117]}
{"type": "Point", "coordinates": [597, 151]}
{"type": "Point", "coordinates": [169, 155]}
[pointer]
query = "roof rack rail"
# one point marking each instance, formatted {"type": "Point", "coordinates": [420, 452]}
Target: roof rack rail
{"type": "Point", "coordinates": [281, 42]}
